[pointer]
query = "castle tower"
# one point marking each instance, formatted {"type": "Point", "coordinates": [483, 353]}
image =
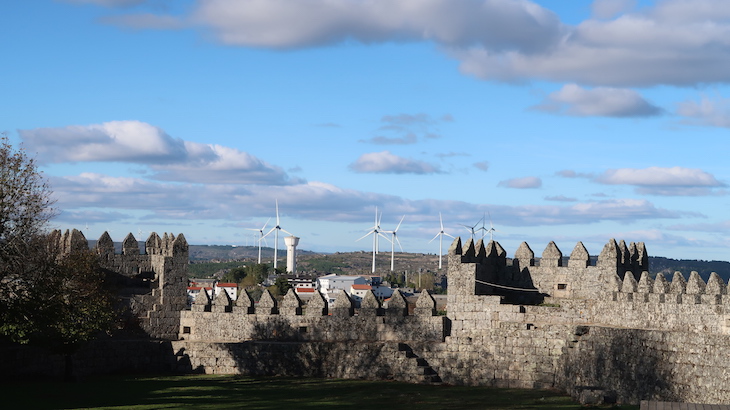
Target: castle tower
{"type": "Point", "coordinates": [291, 253]}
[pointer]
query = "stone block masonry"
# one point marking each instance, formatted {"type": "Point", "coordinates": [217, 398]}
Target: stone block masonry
{"type": "Point", "coordinates": [603, 332]}
{"type": "Point", "coordinates": [153, 284]}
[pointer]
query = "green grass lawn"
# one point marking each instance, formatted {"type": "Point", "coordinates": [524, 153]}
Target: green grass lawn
{"type": "Point", "coordinates": [236, 392]}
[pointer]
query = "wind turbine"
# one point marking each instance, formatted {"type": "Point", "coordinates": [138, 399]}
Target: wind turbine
{"type": "Point", "coordinates": [261, 235]}
{"type": "Point", "coordinates": [440, 235]}
{"type": "Point", "coordinates": [393, 240]}
{"type": "Point", "coordinates": [491, 229]}
{"type": "Point", "coordinates": [276, 230]}
{"type": "Point", "coordinates": [471, 228]}
{"type": "Point", "coordinates": [375, 231]}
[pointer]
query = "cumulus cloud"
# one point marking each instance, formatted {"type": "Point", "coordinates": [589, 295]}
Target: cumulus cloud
{"type": "Point", "coordinates": [163, 201]}
{"type": "Point", "coordinates": [409, 138]}
{"type": "Point", "coordinates": [482, 166]}
{"type": "Point", "coordinates": [601, 101]}
{"type": "Point", "coordinates": [606, 9]}
{"type": "Point", "coordinates": [497, 24]}
{"type": "Point", "coordinates": [521, 183]}
{"type": "Point", "coordinates": [386, 163]}
{"type": "Point", "coordinates": [137, 142]}
{"type": "Point", "coordinates": [560, 198]}
{"type": "Point", "coordinates": [569, 173]}
{"type": "Point", "coordinates": [657, 176]}
{"type": "Point", "coordinates": [674, 42]}
{"type": "Point", "coordinates": [677, 181]}
{"type": "Point", "coordinates": [408, 129]}
{"type": "Point", "coordinates": [708, 112]}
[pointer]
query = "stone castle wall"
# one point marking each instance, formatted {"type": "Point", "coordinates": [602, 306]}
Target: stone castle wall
{"type": "Point", "coordinates": [602, 331]}
{"type": "Point", "coordinates": [152, 284]}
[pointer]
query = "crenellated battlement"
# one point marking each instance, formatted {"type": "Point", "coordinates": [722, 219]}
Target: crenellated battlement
{"type": "Point", "coordinates": [291, 319]}
{"type": "Point", "coordinates": [483, 269]}
{"type": "Point", "coordinates": [594, 326]}
{"type": "Point", "coordinates": [153, 284]}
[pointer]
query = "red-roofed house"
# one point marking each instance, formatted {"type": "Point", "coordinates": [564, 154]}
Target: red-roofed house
{"type": "Point", "coordinates": [230, 288]}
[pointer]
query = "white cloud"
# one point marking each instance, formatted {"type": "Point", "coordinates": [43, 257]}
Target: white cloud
{"type": "Point", "coordinates": [521, 183]}
{"type": "Point", "coordinates": [408, 128]}
{"type": "Point", "coordinates": [386, 163]}
{"type": "Point", "coordinates": [709, 112]}
{"type": "Point", "coordinates": [312, 200]}
{"type": "Point", "coordinates": [606, 9]}
{"type": "Point", "coordinates": [650, 47]}
{"type": "Point", "coordinates": [675, 181]}
{"type": "Point", "coordinates": [657, 176]}
{"type": "Point", "coordinates": [482, 166]}
{"type": "Point", "coordinates": [676, 42]}
{"type": "Point", "coordinates": [601, 101]}
{"type": "Point", "coordinates": [560, 198]}
{"type": "Point", "coordinates": [569, 173]}
{"type": "Point", "coordinates": [498, 24]}
{"type": "Point", "coordinates": [409, 138]}
{"type": "Point", "coordinates": [141, 143]}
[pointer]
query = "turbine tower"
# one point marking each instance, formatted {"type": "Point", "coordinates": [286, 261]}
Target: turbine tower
{"type": "Point", "coordinates": [261, 236]}
{"type": "Point", "coordinates": [393, 240]}
{"type": "Point", "coordinates": [440, 235]}
{"type": "Point", "coordinates": [375, 231]}
{"type": "Point", "coordinates": [276, 230]}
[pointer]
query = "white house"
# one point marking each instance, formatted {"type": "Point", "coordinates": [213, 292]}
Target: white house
{"type": "Point", "coordinates": [230, 288]}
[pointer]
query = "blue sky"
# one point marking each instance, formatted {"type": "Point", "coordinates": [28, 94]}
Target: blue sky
{"type": "Point", "coordinates": [565, 121]}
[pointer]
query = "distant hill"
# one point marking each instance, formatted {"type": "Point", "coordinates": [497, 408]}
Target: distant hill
{"type": "Point", "coordinates": [668, 266]}
{"type": "Point", "coordinates": [360, 263]}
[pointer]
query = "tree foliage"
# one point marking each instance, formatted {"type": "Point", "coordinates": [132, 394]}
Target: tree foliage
{"type": "Point", "coordinates": [234, 275]}
{"type": "Point", "coordinates": [25, 207]}
{"type": "Point", "coordinates": [60, 306]}
{"type": "Point", "coordinates": [46, 297]}
{"type": "Point", "coordinates": [280, 287]}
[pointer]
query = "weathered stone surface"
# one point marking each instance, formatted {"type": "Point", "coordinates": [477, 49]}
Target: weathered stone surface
{"type": "Point", "coordinates": [551, 256]}
{"type": "Point", "coordinates": [291, 304]}
{"type": "Point", "coordinates": [267, 304]}
{"type": "Point", "coordinates": [130, 246]}
{"type": "Point", "coordinates": [222, 302]}
{"type": "Point", "coordinates": [579, 258]}
{"type": "Point", "coordinates": [317, 306]}
{"type": "Point", "coordinates": [455, 248]}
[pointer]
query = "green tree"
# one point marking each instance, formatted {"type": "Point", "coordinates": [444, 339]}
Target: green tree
{"type": "Point", "coordinates": [280, 287]}
{"type": "Point", "coordinates": [45, 298]}
{"type": "Point", "coordinates": [234, 275]}
{"type": "Point", "coordinates": [25, 209]}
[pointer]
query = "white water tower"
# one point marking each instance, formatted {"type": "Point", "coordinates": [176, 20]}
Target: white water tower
{"type": "Point", "coordinates": [291, 253]}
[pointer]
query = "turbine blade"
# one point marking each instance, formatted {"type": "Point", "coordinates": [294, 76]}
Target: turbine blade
{"type": "Point", "coordinates": [398, 241]}
{"type": "Point", "coordinates": [287, 231]}
{"type": "Point", "coordinates": [277, 212]}
{"type": "Point", "coordinates": [366, 235]}
{"type": "Point", "coordinates": [271, 230]}
{"type": "Point", "coordinates": [267, 222]}
{"type": "Point", "coordinates": [401, 221]}
{"type": "Point", "coordinates": [437, 235]}
{"type": "Point", "coordinates": [450, 236]}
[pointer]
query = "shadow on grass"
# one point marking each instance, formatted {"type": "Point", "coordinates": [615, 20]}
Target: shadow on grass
{"type": "Point", "coordinates": [228, 392]}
